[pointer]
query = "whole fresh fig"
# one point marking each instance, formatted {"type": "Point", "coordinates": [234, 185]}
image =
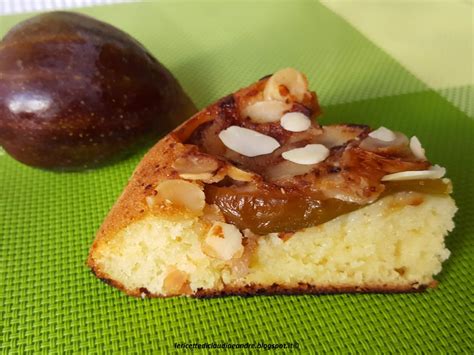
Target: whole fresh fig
{"type": "Point", "coordinates": [76, 92]}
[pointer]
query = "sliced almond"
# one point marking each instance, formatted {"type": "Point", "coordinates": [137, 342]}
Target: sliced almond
{"type": "Point", "coordinates": [218, 176]}
{"type": "Point", "coordinates": [223, 241]}
{"type": "Point", "coordinates": [201, 176]}
{"type": "Point", "coordinates": [175, 282]}
{"type": "Point", "coordinates": [336, 135]}
{"type": "Point", "coordinates": [375, 145]}
{"type": "Point", "coordinates": [286, 170]}
{"type": "Point", "coordinates": [435, 172]}
{"type": "Point", "coordinates": [240, 266]}
{"type": "Point", "coordinates": [383, 134]}
{"type": "Point", "coordinates": [196, 167]}
{"type": "Point", "coordinates": [416, 148]}
{"type": "Point", "coordinates": [195, 164]}
{"type": "Point", "coordinates": [212, 213]}
{"type": "Point", "coordinates": [309, 154]}
{"type": "Point", "coordinates": [265, 111]}
{"type": "Point", "coordinates": [295, 122]}
{"type": "Point", "coordinates": [239, 174]}
{"type": "Point", "coordinates": [248, 142]}
{"type": "Point", "coordinates": [284, 82]}
{"type": "Point", "coordinates": [182, 193]}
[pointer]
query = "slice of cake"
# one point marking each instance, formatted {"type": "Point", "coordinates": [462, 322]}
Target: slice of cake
{"type": "Point", "coordinates": [253, 196]}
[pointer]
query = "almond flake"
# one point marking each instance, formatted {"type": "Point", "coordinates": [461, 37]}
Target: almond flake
{"type": "Point", "coordinates": [416, 148]}
{"type": "Point", "coordinates": [239, 174]}
{"type": "Point", "coordinates": [212, 213]}
{"type": "Point", "coordinates": [295, 122]}
{"type": "Point", "coordinates": [291, 79]}
{"type": "Point", "coordinates": [435, 172]}
{"type": "Point", "coordinates": [175, 281]}
{"type": "Point", "coordinates": [265, 111]}
{"type": "Point", "coordinates": [248, 142]}
{"type": "Point", "coordinates": [198, 176]}
{"type": "Point", "coordinates": [309, 154]}
{"type": "Point", "coordinates": [223, 241]}
{"type": "Point", "coordinates": [182, 193]}
{"type": "Point", "coordinates": [195, 164]}
{"type": "Point", "coordinates": [383, 134]}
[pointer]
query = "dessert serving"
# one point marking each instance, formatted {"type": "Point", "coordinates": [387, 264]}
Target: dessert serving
{"type": "Point", "coordinates": [253, 196]}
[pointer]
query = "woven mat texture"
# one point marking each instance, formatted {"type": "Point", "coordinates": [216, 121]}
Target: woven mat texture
{"type": "Point", "coordinates": [50, 302]}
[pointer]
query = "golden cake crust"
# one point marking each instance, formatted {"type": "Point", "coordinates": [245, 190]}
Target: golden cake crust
{"type": "Point", "coordinates": [277, 289]}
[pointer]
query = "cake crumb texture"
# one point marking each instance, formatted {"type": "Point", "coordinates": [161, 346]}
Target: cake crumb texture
{"type": "Point", "coordinates": [394, 244]}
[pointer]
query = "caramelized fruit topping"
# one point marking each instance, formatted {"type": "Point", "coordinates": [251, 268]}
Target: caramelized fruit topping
{"type": "Point", "coordinates": [294, 172]}
{"type": "Point", "coordinates": [266, 211]}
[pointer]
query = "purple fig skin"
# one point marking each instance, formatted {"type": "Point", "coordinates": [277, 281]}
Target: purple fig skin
{"type": "Point", "coordinates": [77, 93]}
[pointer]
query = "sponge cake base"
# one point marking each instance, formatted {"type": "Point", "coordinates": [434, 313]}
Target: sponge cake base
{"type": "Point", "coordinates": [393, 245]}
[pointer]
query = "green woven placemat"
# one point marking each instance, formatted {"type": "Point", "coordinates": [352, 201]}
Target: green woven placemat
{"type": "Point", "coordinates": [52, 303]}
